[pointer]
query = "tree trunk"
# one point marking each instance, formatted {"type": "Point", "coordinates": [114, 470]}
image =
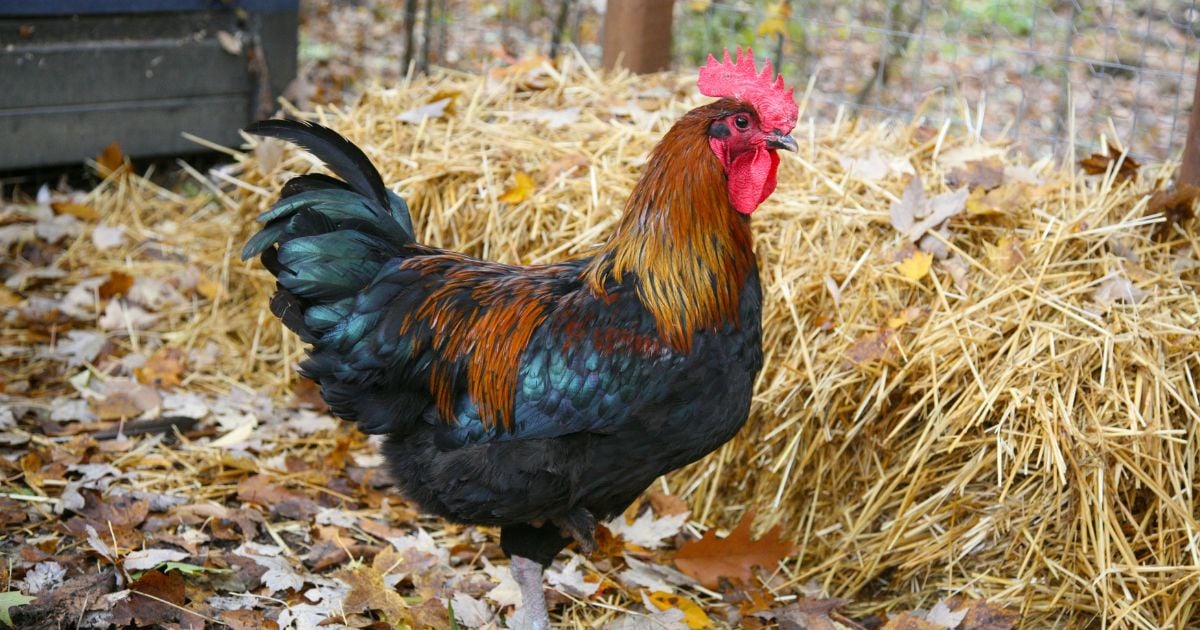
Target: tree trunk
{"type": "Point", "coordinates": [637, 35]}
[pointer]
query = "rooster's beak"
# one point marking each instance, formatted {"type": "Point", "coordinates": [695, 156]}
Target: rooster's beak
{"type": "Point", "coordinates": [780, 140]}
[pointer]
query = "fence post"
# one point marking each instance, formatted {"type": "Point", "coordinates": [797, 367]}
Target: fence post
{"type": "Point", "coordinates": [1189, 172]}
{"type": "Point", "coordinates": [638, 33]}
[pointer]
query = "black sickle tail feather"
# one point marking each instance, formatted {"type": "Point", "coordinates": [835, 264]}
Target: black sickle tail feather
{"type": "Point", "coordinates": [339, 154]}
{"type": "Point", "coordinates": [326, 238]}
{"type": "Point", "coordinates": [325, 241]}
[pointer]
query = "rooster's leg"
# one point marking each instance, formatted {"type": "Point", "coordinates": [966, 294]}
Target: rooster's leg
{"type": "Point", "coordinates": [528, 574]}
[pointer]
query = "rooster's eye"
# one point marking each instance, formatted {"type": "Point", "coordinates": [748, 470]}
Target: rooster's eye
{"type": "Point", "coordinates": [741, 122]}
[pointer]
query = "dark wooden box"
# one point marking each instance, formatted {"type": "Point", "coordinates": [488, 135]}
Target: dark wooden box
{"type": "Point", "coordinates": [76, 75]}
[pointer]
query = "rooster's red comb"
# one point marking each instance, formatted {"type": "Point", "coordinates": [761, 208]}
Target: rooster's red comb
{"type": "Point", "coordinates": [775, 102]}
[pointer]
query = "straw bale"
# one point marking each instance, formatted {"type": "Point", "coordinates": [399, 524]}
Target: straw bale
{"type": "Point", "coordinates": [1016, 435]}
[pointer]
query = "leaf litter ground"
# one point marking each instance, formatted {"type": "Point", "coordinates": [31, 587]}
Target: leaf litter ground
{"type": "Point", "coordinates": [980, 387]}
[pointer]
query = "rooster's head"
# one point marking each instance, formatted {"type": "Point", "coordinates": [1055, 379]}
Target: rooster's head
{"type": "Point", "coordinates": [748, 125]}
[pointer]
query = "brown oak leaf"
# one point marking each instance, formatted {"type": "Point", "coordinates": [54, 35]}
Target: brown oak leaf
{"type": "Point", "coordinates": [735, 556]}
{"type": "Point", "coordinates": [157, 600]}
{"type": "Point", "coordinates": [1097, 164]}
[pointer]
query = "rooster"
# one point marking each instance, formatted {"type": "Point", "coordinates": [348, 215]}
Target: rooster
{"type": "Point", "coordinates": [539, 399]}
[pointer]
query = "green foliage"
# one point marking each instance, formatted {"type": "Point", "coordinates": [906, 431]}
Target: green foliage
{"type": "Point", "coordinates": [9, 600]}
{"type": "Point", "coordinates": [702, 29]}
{"type": "Point", "coordinates": [986, 17]}
{"type": "Point", "coordinates": [712, 29]}
{"type": "Point", "coordinates": [311, 50]}
{"type": "Point", "coordinates": [189, 569]}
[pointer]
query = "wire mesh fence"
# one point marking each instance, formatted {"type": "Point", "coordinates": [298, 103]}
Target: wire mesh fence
{"type": "Point", "coordinates": [1048, 75]}
{"type": "Point", "coordinates": [1041, 73]}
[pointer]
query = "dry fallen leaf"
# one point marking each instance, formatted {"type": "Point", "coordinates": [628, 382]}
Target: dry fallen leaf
{"type": "Point", "coordinates": [242, 429]}
{"type": "Point", "coordinates": [117, 284]}
{"type": "Point", "coordinates": [108, 236]}
{"type": "Point", "coordinates": [982, 615]}
{"type": "Point", "coordinates": [916, 213]}
{"type": "Point", "coordinates": [430, 613]}
{"type": "Point", "coordinates": [80, 346]}
{"type": "Point", "coordinates": [809, 614]}
{"type": "Point", "coordinates": [444, 94]}
{"type": "Point", "coordinates": [532, 64]}
{"type": "Point", "coordinates": [279, 575]}
{"type": "Point", "coordinates": [1006, 254]}
{"type": "Point", "coordinates": [417, 115]}
{"type": "Point", "coordinates": [693, 615]}
{"type": "Point", "coordinates": [119, 315]}
{"type": "Point", "coordinates": [908, 316]}
{"type": "Point", "coordinates": [247, 619]}
{"type": "Point", "coordinates": [648, 531]}
{"type": "Point", "coordinates": [1004, 199]}
{"type": "Point", "coordinates": [63, 606]}
{"type": "Point", "coordinates": [958, 268]}
{"type": "Point", "coordinates": [471, 612]}
{"type": "Point", "coordinates": [960, 156]}
{"type": "Point", "coordinates": [1177, 205]}
{"type": "Point", "coordinates": [983, 174]}
{"type": "Point", "coordinates": [9, 299]}
{"type": "Point", "coordinates": [940, 209]}
{"type": "Point", "coordinates": [369, 592]}
{"type": "Point", "coordinates": [143, 559]}
{"type": "Point", "coordinates": [871, 347]}
{"type": "Point", "coordinates": [507, 592]}
{"type": "Point", "coordinates": [904, 213]}
{"type": "Point", "coordinates": [916, 266]}
{"type": "Point", "coordinates": [568, 578]}
{"type": "Point", "coordinates": [651, 575]}
{"type": "Point", "coordinates": [287, 503]}
{"type": "Point", "coordinates": [909, 621]}
{"type": "Point", "coordinates": [1117, 288]}
{"type": "Point", "coordinates": [666, 504]}
{"type": "Point", "coordinates": [1098, 164]}
{"type": "Point", "coordinates": [125, 399]}
{"type": "Point", "coordinates": [566, 165]}
{"type": "Point", "coordinates": [164, 369]}
{"type": "Point", "coordinates": [110, 160]}
{"type": "Point", "coordinates": [1017, 173]}
{"type": "Point", "coordinates": [942, 615]}
{"type": "Point", "coordinates": [734, 556]}
{"type": "Point", "coordinates": [77, 210]}
{"type": "Point", "coordinates": [157, 600]}
{"type": "Point", "coordinates": [207, 287]}
{"type": "Point", "coordinates": [520, 191]}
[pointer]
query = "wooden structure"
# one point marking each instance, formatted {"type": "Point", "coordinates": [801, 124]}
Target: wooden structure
{"type": "Point", "coordinates": [637, 34]}
{"type": "Point", "coordinates": [77, 75]}
{"type": "Point", "coordinates": [1189, 171]}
